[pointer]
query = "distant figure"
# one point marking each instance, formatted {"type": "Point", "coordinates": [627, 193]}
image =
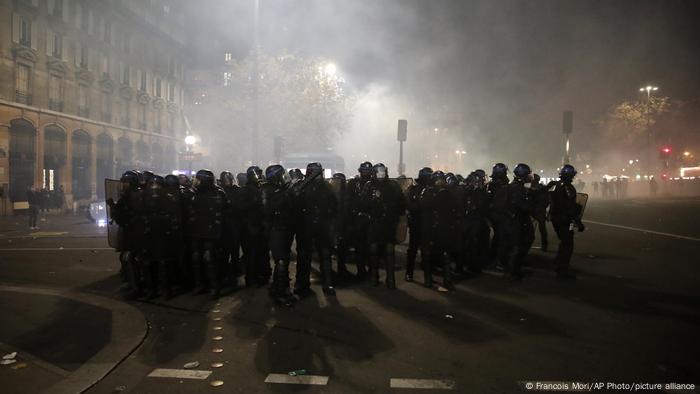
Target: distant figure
{"type": "Point", "coordinates": [653, 187]}
{"type": "Point", "coordinates": [580, 185]}
{"type": "Point", "coordinates": [605, 187]}
{"type": "Point", "coordinates": [33, 198]}
{"type": "Point", "coordinates": [595, 187]}
{"type": "Point", "coordinates": [624, 183]}
{"type": "Point", "coordinates": [616, 187]}
{"type": "Point", "coordinates": [61, 198]}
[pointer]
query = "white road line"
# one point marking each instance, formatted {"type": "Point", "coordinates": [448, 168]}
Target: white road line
{"type": "Point", "coordinates": [440, 384]}
{"type": "Point", "coordinates": [644, 230]}
{"type": "Point", "coordinates": [47, 249]}
{"type": "Point", "coordinates": [179, 373]}
{"type": "Point", "coordinates": [284, 378]}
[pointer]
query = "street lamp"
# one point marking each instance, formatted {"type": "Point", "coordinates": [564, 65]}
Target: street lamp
{"type": "Point", "coordinates": [649, 89]}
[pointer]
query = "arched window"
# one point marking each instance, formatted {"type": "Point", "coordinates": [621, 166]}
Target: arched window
{"type": "Point", "coordinates": [22, 158]}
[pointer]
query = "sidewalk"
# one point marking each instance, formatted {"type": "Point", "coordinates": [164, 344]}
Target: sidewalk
{"type": "Point", "coordinates": [65, 341]}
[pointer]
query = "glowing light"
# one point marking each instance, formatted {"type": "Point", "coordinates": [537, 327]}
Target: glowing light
{"type": "Point", "coordinates": [686, 153]}
{"type": "Point", "coordinates": [101, 223]}
{"type": "Point", "coordinates": [330, 69]}
{"type": "Point", "coordinates": [190, 140]}
{"type": "Point", "coordinates": [631, 161]}
{"type": "Point", "coordinates": [588, 166]}
{"type": "Point", "coordinates": [666, 150]}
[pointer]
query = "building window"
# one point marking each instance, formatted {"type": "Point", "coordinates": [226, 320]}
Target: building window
{"type": "Point", "coordinates": [158, 91]}
{"type": "Point", "coordinates": [227, 78]}
{"type": "Point", "coordinates": [227, 57]}
{"type": "Point", "coordinates": [157, 124]}
{"type": "Point", "coordinates": [84, 57]}
{"type": "Point", "coordinates": [125, 74]}
{"type": "Point", "coordinates": [78, 15]}
{"type": "Point", "coordinates": [171, 92]}
{"type": "Point", "coordinates": [83, 109]}
{"type": "Point", "coordinates": [142, 116]}
{"type": "Point", "coordinates": [126, 120]}
{"type": "Point", "coordinates": [104, 66]}
{"type": "Point", "coordinates": [55, 93]}
{"type": "Point", "coordinates": [23, 88]}
{"type": "Point", "coordinates": [106, 108]}
{"type": "Point", "coordinates": [25, 31]}
{"type": "Point", "coordinates": [54, 44]}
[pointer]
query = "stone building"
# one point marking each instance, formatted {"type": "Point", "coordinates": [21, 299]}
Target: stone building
{"type": "Point", "coordinates": [88, 89]}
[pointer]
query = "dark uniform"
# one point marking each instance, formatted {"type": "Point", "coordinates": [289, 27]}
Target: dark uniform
{"type": "Point", "coordinates": [383, 202]}
{"type": "Point", "coordinates": [205, 227]}
{"type": "Point", "coordinates": [256, 254]}
{"type": "Point", "coordinates": [439, 228]}
{"type": "Point", "coordinates": [128, 212]}
{"type": "Point", "coordinates": [564, 214]}
{"type": "Point", "coordinates": [359, 221]}
{"type": "Point", "coordinates": [320, 208]}
{"type": "Point", "coordinates": [230, 241]}
{"type": "Point", "coordinates": [279, 203]}
{"type": "Point", "coordinates": [540, 198]}
{"type": "Point", "coordinates": [341, 228]}
{"type": "Point", "coordinates": [476, 228]}
{"type": "Point", "coordinates": [413, 197]}
{"type": "Point", "coordinates": [185, 269]}
{"type": "Point", "coordinates": [522, 231]}
{"type": "Point", "coordinates": [500, 214]}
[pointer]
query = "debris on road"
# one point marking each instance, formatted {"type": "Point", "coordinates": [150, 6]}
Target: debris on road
{"type": "Point", "coordinates": [190, 365]}
{"type": "Point", "coordinates": [217, 383]}
{"type": "Point", "coordinates": [119, 389]}
{"type": "Point", "coordinates": [7, 362]}
{"type": "Point", "coordinates": [9, 356]}
{"type": "Point", "coordinates": [449, 316]}
{"type": "Point", "coordinates": [298, 372]}
{"type": "Point", "coordinates": [20, 366]}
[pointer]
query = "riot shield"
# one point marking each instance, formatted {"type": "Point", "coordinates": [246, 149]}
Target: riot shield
{"type": "Point", "coordinates": [581, 201]}
{"type": "Point", "coordinates": [402, 227]}
{"type": "Point", "coordinates": [113, 189]}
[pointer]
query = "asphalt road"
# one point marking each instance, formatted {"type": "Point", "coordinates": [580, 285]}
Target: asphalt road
{"type": "Point", "coordinates": [632, 316]}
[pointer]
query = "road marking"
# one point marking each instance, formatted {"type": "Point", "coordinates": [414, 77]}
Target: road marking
{"type": "Point", "coordinates": [422, 384]}
{"type": "Point", "coordinates": [47, 249]}
{"type": "Point", "coordinates": [284, 378]}
{"type": "Point", "coordinates": [47, 233]}
{"type": "Point", "coordinates": [644, 230]}
{"type": "Point", "coordinates": [179, 373]}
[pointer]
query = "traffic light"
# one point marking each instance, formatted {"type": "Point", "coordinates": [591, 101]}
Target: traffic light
{"type": "Point", "coordinates": [665, 152]}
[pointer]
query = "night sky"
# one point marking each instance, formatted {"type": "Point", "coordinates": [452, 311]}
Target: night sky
{"type": "Point", "coordinates": [511, 67]}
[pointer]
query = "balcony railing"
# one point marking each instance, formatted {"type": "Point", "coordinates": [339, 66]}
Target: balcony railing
{"type": "Point", "coordinates": [56, 105]}
{"type": "Point", "coordinates": [84, 112]}
{"type": "Point", "coordinates": [23, 97]}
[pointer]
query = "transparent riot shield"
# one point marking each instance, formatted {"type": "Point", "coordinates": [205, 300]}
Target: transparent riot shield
{"type": "Point", "coordinates": [581, 201]}
{"type": "Point", "coordinates": [113, 189]}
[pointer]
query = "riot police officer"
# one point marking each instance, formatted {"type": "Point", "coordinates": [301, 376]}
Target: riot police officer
{"type": "Point", "coordinates": [230, 244]}
{"type": "Point", "coordinates": [205, 228]}
{"type": "Point", "coordinates": [413, 197]}
{"type": "Point", "coordinates": [341, 228]}
{"type": "Point", "coordinates": [359, 221]}
{"type": "Point", "coordinates": [383, 202]}
{"type": "Point", "coordinates": [522, 231]}
{"type": "Point", "coordinates": [437, 207]}
{"type": "Point", "coordinates": [172, 211]}
{"type": "Point", "coordinates": [565, 214]}
{"type": "Point", "coordinates": [540, 198]}
{"type": "Point", "coordinates": [185, 269]}
{"type": "Point", "coordinates": [319, 207]}
{"type": "Point", "coordinates": [256, 255]}
{"type": "Point", "coordinates": [500, 214]}
{"type": "Point", "coordinates": [127, 212]}
{"type": "Point", "coordinates": [278, 202]}
{"type": "Point", "coordinates": [476, 229]}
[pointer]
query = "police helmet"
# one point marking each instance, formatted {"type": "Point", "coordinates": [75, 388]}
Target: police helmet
{"type": "Point", "coordinates": [148, 176]}
{"type": "Point", "coordinates": [480, 173]}
{"type": "Point", "coordinates": [295, 174]}
{"type": "Point", "coordinates": [451, 179]}
{"type": "Point", "coordinates": [522, 171]}
{"type": "Point", "coordinates": [536, 178]}
{"type": "Point", "coordinates": [314, 168]}
{"type": "Point", "coordinates": [131, 177]}
{"type": "Point", "coordinates": [205, 178]}
{"type": "Point", "coordinates": [172, 181]}
{"type": "Point", "coordinates": [499, 170]}
{"type": "Point", "coordinates": [241, 178]}
{"type": "Point", "coordinates": [254, 174]}
{"type": "Point", "coordinates": [340, 176]}
{"type": "Point", "coordinates": [226, 179]}
{"type": "Point", "coordinates": [184, 180]}
{"type": "Point", "coordinates": [276, 175]}
{"type": "Point", "coordinates": [379, 171]}
{"type": "Point", "coordinates": [424, 175]}
{"type": "Point", "coordinates": [365, 169]}
{"type": "Point", "coordinates": [567, 172]}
